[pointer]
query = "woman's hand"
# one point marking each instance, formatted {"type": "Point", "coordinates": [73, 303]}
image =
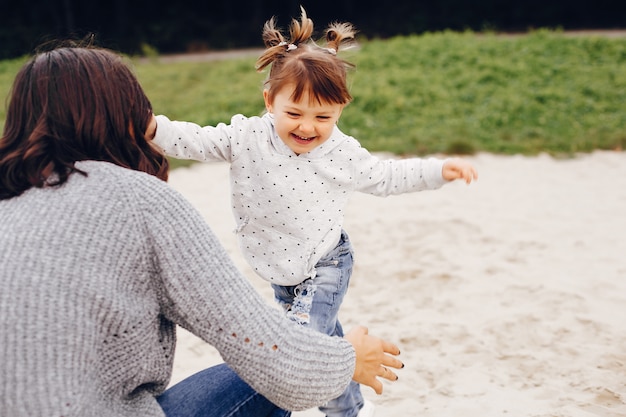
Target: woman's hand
{"type": "Point", "coordinates": [374, 359]}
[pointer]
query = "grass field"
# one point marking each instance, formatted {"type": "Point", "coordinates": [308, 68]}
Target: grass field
{"type": "Point", "coordinates": [446, 92]}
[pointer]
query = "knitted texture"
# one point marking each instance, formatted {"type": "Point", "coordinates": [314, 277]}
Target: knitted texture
{"type": "Point", "coordinates": [95, 275]}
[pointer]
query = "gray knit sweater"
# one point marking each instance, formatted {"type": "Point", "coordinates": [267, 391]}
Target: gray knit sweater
{"type": "Point", "coordinates": [95, 275]}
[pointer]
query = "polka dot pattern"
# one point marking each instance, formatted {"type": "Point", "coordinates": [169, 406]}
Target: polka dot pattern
{"type": "Point", "coordinates": [289, 208]}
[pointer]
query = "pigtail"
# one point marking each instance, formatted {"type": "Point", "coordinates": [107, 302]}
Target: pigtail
{"type": "Point", "coordinates": [274, 42]}
{"type": "Point", "coordinates": [300, 32]}
{"type": "Point", "coordinates": [337, 34]}
{"type": "Point", "coordinates": [272, 36]}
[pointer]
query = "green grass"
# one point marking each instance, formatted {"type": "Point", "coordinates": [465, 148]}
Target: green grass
{"type": "Point", "coordinates": [456, 92]}
{"type": "Point", "coordinates": [8, 70]}
{"type": "Point", "coordinates": [444, 92]}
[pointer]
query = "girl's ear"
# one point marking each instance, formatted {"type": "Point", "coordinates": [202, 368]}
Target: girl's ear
{"type": "Point", "coordinates": [268, 105]}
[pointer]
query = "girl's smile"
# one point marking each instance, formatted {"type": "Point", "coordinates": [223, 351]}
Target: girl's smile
{"type": "Point", "coordinates": [301, 139]}
{"type": "Point", "coordinates": [302, 125]}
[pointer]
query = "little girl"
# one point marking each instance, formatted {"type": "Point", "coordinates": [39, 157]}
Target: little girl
{"type": "Point", "coordinates": [292, 172]}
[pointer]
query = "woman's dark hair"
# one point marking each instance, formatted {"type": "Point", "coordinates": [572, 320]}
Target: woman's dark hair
{"type": "Point", "coordinates": [69, 104]}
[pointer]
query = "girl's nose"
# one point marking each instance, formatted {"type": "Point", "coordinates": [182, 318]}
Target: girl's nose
{"type": "Point", "coordinates": [306, 127]}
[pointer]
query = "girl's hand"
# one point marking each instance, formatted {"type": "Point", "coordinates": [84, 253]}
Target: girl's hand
{"type": "Point", "coordinates": [456, 168]}
{"type": "Point", "coordinates": [151, 129]}
{"type": "Point", "coordinates": [374, 359]}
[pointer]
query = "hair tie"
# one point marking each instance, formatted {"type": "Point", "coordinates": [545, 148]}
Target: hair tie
{"type": "Point", "coordinates": [290, 46]}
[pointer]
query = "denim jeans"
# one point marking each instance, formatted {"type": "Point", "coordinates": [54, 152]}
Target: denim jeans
{"type": "Point", "coordinates": [216, 392]}
{"type": "Point", "coordinates": [315, 303]}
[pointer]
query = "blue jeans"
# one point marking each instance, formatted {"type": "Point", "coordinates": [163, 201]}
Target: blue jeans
{"type": "Point", "coordinates": [216, 392]}
{"type": "Point", "coordinates": [315, 303]}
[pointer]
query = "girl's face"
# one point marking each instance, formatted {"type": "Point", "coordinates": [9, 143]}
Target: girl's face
{"type": "Point", "coordinates": [302, 125]}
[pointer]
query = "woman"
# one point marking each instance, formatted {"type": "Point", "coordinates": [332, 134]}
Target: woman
{"type": "Point", "coordinates": [100, 259]}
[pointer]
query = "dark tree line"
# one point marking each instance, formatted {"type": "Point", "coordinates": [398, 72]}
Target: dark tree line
{"type": "Point", "coordinates": [185, 25]}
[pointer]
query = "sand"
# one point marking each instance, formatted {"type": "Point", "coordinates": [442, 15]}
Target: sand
{"type": "Point", "coordinates": [507, 297]}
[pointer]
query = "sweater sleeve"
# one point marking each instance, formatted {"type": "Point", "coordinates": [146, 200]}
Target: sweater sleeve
{"type": "Point", "coordinates": [186, 140]}
{"type": "Point", "coordinates": [201, 290]}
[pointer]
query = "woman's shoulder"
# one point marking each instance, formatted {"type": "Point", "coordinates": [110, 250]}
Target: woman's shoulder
{"type": "Point", "coordinates": [110, 179]}
{"type": "Point", "coordinates": [129, 190]}
{"type": "Point", "coordinates": [108, 171]}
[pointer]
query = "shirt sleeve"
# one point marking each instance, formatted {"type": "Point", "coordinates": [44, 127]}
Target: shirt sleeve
{"type": "Point", "coordinates": [201, 290]}
{"type": "Point", "coordinates": [383, 177]}
{"type": "Point", "coordinates": [186, 140]}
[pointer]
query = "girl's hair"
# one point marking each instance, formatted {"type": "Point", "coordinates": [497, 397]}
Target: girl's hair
{"type": "Point", "coordinates": [309, 67]}
{"type": "Point", "coordinates": [69, 104]}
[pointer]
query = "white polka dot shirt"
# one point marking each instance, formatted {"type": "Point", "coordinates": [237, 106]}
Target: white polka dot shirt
{"type": "Point", "coordinates": [289, 208]}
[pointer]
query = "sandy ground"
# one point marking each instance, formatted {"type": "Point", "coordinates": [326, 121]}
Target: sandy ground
{"type": "Point", "coordinates": [507, 297]}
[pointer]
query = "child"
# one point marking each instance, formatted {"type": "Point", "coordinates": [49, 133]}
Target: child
{"type": "Point", "coordinates": [292, 172]}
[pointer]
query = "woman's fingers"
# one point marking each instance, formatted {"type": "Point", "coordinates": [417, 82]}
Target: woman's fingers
{"type": "Point", "coordinates": [374, 358]}
{"type": "Point", "coordinates": [388, 374]}
{"type": "Point", "coordinates": [390, 348]}
{"type": "Point", "coordinates": [391, 360]}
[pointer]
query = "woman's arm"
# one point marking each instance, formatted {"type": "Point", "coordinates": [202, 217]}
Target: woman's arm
{"type": "Point", "coordinates": [294, 367]}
